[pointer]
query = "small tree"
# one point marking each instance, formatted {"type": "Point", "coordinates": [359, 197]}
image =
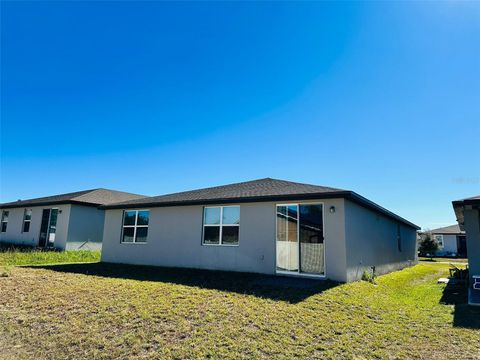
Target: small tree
{"type": "Point", "coordinates": [428, 245]}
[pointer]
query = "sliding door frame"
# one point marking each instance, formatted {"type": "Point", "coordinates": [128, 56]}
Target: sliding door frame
{"type": "Point", "coordinates": [47, 234]}
{"type": "Point", "coordinates": [298, 272]}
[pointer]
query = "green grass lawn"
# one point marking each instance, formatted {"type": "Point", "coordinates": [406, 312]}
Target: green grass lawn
{"type": "Point", "coordinates": [116, 311]}
{"type": "Point", "coordinates": [444, 259]}
{"type": "Point", "coordinates": [25, 257]}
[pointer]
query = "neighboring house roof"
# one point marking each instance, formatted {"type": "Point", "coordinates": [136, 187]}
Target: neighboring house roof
{"type": "Point", "coordinates": [254, 191]}
{"type": "Point", "coordinates": [448, 230]}
{"type": "Point", "coordinates": [474, 200]}
{"type": "Point", "coordinates": [93, 197]}
{"type": "Point", "coordinates": [459, 204]}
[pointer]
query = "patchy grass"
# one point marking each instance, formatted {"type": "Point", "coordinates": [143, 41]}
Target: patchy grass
{"type": "Point", "coordinates": [43, 257]}
{"type": "Point", "coordinates": [444, 259]}
{"type": "Point", "coordinates": [5, 270]}
{"type": "Point", "coordinates": [5, 246]}
{"type": "Point", "coordinates": [116, 311]}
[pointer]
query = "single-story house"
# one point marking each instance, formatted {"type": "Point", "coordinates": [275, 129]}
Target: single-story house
{"type": "Point", "coordinates": [467, 212]}
{"type": "Point", "coordinates": [263, 226]}
{"type": "Point", "coordinates": [66, 221]}
{"type": "Point", "coordinates": [451, 241]}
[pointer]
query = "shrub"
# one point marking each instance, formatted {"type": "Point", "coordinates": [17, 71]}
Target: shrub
{"type": "Point", "coordinates": [428, 245]}
{"type": "Point", "coordinates": [369, 276]}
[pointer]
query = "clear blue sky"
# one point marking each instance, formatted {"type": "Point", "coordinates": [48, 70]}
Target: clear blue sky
{"type": "Point", "coordinates": [153, 98]}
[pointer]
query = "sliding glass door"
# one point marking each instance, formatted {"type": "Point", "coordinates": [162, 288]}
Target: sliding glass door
{"type": "Point", "coordinates": [52, 227]}
{"type": "Point", "coordinates": [48, 228]}
{"type": "Point", "coordinates": [311, 239]}
{"type": "Point", "coordinates": [287, 238]}
{"type": "Point", "coordinates": [42, 241]}
{"type": "Point", "coordinates": [300, 241]}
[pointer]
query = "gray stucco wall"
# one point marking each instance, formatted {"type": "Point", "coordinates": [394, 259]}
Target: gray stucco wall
{"type": "Point", "coordinates": [472, 229]}
{"type": "Point", "coordinates": [85, 230]}
{"type": "Point", "coordinates": [372, 241]}
{"type": "Point", "coordinates": [14, 232]}
{"type": "Point", "coordinates": [175, 239]}
{"type": "Point", "coordinates": [449, 245]}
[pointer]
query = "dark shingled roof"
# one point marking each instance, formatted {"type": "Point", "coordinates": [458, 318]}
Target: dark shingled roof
{"type": "Point", "coordinates": [253, 191]}
{"type": "Point", "coordinates": [458, 208]}
{"type": "Point", "coordinates": [94, 197]}
{"type": "Point", "coordinates": [474, 200]}
{"type": "Point", "coordinates": [452, 229]}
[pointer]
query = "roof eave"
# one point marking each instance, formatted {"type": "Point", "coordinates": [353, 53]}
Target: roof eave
{"type": "Point", "coordinates": [246, 199]}
{"type": "Point", "coordinates": [346, 194]}
{"type": "Point", "coordinates": [458, 208]}
{"type": "Point", "coordinates": [377, 208]}
{"type": "Point", "coordinates": [47, 203]}
{"type": "Point", "coordinates": [448, 233]}
{"type": "Point", "coordinates": [463, 202]}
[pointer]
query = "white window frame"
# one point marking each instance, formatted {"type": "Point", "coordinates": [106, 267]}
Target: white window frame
{"type": "Point", "coordinates": [25, 220]}
{"type": "Point", "coordinates": [3, 221]}
{"type": "Point", "coordinates": [439, 239]}
{"type": "Point", "coordinates": [221, 225]}
{"type": "Point", "coordinates": [135, 227]}
{"type": "Point", "coordinates": [298, 272]}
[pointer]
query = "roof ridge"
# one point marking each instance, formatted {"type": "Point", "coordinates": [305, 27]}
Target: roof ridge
{"type": "Point", "coordinates": [115, 191]}
{"type": "Point", "coordinates": [259, 190]}
{"type": "Point", "coordinates": [239, 185]}
{"type": "Point", "coordinates": [300, 183]}
{"type": "Point", "coordinates": [80, 193]}
{"type": "Point", "coordinates": [91, 196]}
{"type": "Point", "coordinates": [210, 188]}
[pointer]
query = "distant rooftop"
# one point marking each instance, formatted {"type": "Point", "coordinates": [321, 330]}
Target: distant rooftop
{"type": "Point", "coordinates": [86, 197]}
{"type": "Point", "coordinates": [452, 229]}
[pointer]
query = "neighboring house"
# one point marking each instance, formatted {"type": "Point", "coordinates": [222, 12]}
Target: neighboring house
{"type": "Point", "coordinates": [263, 226]}
{"type": "Point", "coordinates": [451, 241]}
{"type": "Point", "coordinates": [67, 221]}
{"type": "Point", "coordinates": [467, 212]}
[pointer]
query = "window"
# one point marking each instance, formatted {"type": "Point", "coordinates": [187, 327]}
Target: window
{"type": "Point", "coordinates": [135, 226]}
{"type": "Point", "coordinates": [27, 218]}
{"type": "Point", "coordinates": [399, 238]}
{"type": "Point", "coordinates": [221, 225]}
{"type": "Point", "coordinates": [4, 220]}
{"type": "Point", "coordinates": [439, 240]}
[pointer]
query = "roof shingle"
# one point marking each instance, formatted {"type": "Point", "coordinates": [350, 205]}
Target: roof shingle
{"type": "Point", "coordinates": [254, 191]}
{"type": "Point", "coordinates": [452, 229]}
{"type": "Point", "coordinates": [88, 197]}
{"type": "Point", "coordinates": [249, 190]}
